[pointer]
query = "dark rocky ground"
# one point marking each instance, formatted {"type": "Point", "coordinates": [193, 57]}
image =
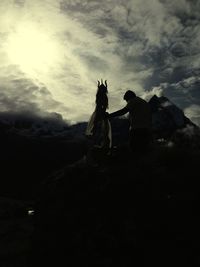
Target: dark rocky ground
{"type": "Point", "coordinates": [26, 162]}
{"type": "Point", "coordinates": [122, 211]}
{"type": "Point", "coordinates": [16, 229]}
{"type": "Point", "coordinates": [92, 209]}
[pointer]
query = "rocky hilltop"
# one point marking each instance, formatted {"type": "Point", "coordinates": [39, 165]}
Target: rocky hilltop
{"type": "Point", "coordinates": [88, 208]}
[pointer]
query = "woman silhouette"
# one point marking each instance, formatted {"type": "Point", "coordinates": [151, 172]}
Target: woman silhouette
{"type": "Point", "coordinates": [99, 126]}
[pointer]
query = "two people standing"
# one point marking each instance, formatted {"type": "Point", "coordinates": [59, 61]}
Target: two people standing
{"type": "Point", "coordinates": [139, 116]}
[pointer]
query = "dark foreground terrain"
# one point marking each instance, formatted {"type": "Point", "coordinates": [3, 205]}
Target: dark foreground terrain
{"type": "Point", "coordinates": [127, 212]}
{"type": "Point", "coordinates": [65, 204]}
{"type": "Point", "coordinates": [122, 211]}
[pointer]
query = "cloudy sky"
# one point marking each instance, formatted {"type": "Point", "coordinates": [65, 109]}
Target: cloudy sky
{"type": "Point", "coordinates": [52, 52]}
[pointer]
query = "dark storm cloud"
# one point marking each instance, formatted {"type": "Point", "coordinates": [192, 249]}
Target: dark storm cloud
{"type": "Point", "coordinates": [22, 95]}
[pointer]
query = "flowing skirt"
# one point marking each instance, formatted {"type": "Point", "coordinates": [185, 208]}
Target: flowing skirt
{"type": "Point", "coordinates": [101, 127]}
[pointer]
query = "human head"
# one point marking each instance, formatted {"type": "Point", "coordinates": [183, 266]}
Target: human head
{"type": "Point", "coordinates": [129, 95]}
{"type": "Point", "coordinates": [102, 88]}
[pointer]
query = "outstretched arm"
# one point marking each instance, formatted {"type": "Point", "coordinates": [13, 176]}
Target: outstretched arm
{"type": "Point", "coordinates": [120, 112]}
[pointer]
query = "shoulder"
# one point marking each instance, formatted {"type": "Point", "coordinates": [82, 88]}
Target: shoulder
{"type": "Point", "coordinates": [131, 103]}
{"type": "Point", "coordinates": [141, 101]}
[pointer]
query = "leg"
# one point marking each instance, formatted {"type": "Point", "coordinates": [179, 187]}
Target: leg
{"type": "Point", "coordinates": [139, 140]}
{"type": "Point", "coordinates": [106, 135]}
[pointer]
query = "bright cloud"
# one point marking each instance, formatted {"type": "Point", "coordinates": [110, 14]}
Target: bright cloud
{"type": "Point", "coordinates": [66, 46]}
{"type": "Point", "coordinates": [193, 112]}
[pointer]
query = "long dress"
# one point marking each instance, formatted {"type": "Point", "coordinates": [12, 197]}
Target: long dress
{"type": "Point", "coordinates": [99, 126]}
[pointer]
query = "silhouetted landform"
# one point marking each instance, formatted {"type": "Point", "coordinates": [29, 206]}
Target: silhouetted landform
{"type": "Point", "coordinates": [45, 144]}
{"type": "Point", "coordinates": [60, 207]}
{"type": "Point", "coordinates": [27, 159]}
{"type": "Point", "coordinates": [167, 117]}
{"type": "Point", "coordinates": [33, 125]}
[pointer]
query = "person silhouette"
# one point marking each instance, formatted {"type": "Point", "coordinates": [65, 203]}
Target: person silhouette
{"type": "Point", "coordinates": [99, 126]}
{"type": "Point", "coordinates": [140, 121]}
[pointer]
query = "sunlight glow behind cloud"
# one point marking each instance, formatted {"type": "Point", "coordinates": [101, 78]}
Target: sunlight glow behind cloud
{"type": "Point", "coordinates": [31, 49]}
{"type": "Point", "coordinates": [62, 47]}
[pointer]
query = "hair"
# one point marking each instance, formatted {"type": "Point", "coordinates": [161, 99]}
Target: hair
{"type": "Point", "coordinates": [102, 89]}
{"type": "Point", "coordinates": [129, 94]}
{"type": "Point", "coordinates": [101, 95]}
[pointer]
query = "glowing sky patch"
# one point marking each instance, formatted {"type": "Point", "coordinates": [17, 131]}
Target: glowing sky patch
{"type": "Point", "coordinates": [32, 49]}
